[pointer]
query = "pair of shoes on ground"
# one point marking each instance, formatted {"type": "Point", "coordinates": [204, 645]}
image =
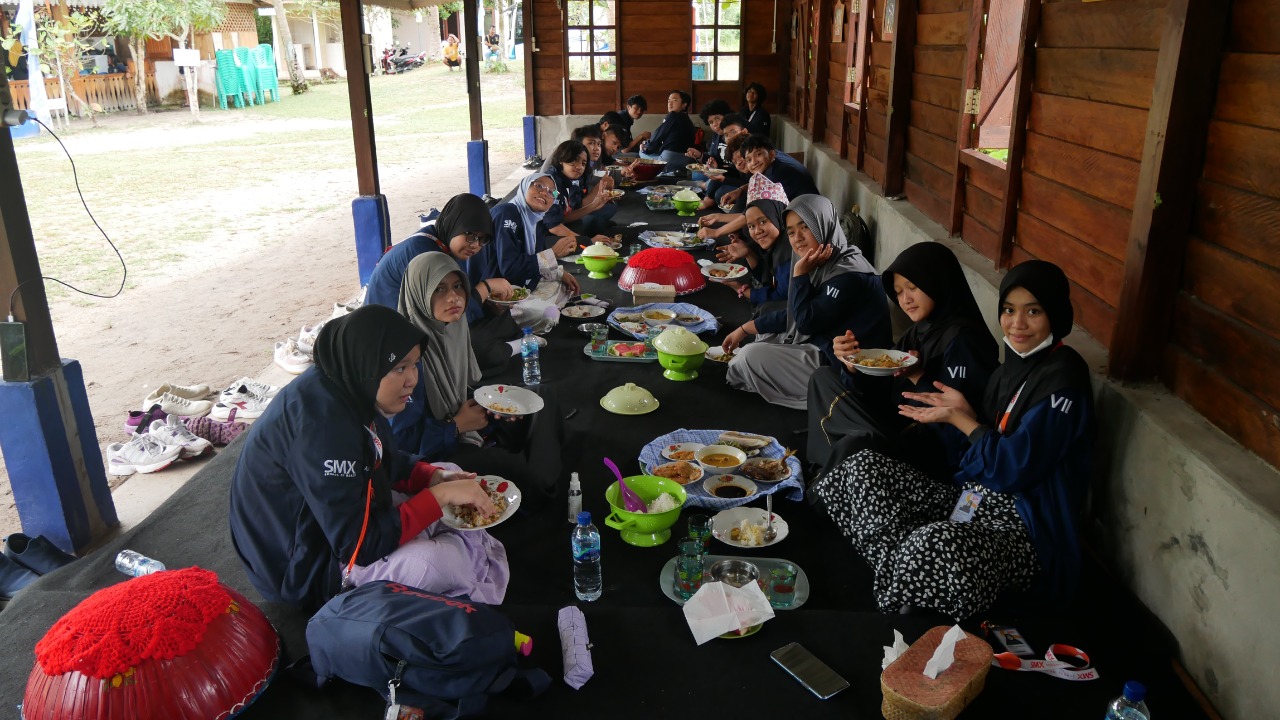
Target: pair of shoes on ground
{"type": "Point", "coordinates": [25, 559]}
{"type": "Point", "coordinates": [181, 400]}
{"type": "Point", "coordinates": [215, 431]}
{"type": "Point", "coordinates": [164, 442]}
{"type": "Point", "coordinates": [246, 398]}
{"type": "Point", "coordinates": [294, 354]}
{"type": "Point", "coordinates": [140, 420]}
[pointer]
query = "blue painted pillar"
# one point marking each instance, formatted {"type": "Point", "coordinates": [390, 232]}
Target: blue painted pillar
{"type": "Point", "coordinates": [530, 136]}
{"type": "Point", "coordinates": [52, 456]}
{"type": "Point", "coordinates": [373, 232]}
{"type": "Point", "coordinates": [478, 167]}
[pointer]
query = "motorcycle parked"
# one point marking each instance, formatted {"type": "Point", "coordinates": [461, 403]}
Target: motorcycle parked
{"type": "Point", "coordinates": [398, 60]}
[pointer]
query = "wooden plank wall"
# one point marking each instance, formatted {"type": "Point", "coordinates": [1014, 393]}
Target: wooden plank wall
{"type": "Point", "coordinates": [983, 204]}
{"type": "Point", "coordinates": [837, 78]}
{"type": "Point", "coordinates": [942, 27]}
{"type": "Point", "coordinates": [1095, 66]}
{"type": "Point", "coordinates": [1226, 327]}
{"type": "Point", "coordinates": [548, 61]}
{"type": "Point", "coordinates": [877, 104]}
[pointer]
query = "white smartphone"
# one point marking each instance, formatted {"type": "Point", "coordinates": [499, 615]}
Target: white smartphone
{"type": "Point", "coordinates": [812, 673]}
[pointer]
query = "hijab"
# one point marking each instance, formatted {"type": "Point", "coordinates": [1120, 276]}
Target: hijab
{"type": "Point", "coordinates": [357, 350]}
{"type": "Point", "coordinates": [464, 213]}
{"type": "Point", "coordinates": [933, 268]}
{"type": "Point", "coordinates": [819, 215]}
{"type": "Point", "coordinates": [449, 365]}
{"type": "Point", "coordinates": [1044, 371]}
{"type": "Point", "coordinates": [778, 255]}
{"type": "Point", "coordinates": [530, 216]}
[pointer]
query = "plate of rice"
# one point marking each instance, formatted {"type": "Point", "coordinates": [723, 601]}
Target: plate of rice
{"type": "Point", "coordinates": [504, 494]}
{"type": "Point", "coordinates": [508, 401]}
{"type": "Point", "coordinates": [744, 527]}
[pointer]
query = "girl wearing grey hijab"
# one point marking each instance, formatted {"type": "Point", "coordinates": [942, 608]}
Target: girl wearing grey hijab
{"type": "Point", "coordinates": [833, 289]}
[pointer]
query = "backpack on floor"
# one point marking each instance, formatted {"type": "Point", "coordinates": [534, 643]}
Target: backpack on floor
{"type": "Point", "coordinates": [449, 653]}
{"type": "Point", "coordinates": [858, 234]}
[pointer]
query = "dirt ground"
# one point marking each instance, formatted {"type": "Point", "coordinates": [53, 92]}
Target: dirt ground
{"type": "Point", "coordinates": [275, 253]}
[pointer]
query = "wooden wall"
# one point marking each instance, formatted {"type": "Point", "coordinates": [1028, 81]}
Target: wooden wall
{"type": "Point", "coordinates": [1226, 331]}
{"type": "Point", "coordinates": [1094, 68]}
{"type": "Point", "coordinates": [876, 106]}
{"type": "Point", "coordinates": [937, 94]}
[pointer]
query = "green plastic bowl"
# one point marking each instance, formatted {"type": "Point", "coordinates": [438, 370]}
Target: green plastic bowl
{"type": "Point", "coordinates": [680, 367]}
{"type": "Point", "coordinates": [599, 267]}
{"type": "Point", "coordinates": [686, 207]}
{"type": "Point", "coordinates": [642, 529]}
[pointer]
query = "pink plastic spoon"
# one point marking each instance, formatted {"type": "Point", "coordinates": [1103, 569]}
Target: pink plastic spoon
{"type": "Point", "coordinates": [630, 500]}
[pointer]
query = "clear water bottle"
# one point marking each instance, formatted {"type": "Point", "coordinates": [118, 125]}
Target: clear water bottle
{"type": "Point", "coordinates": [532, 372]}
{"type": "Point", "coordinates": [575, 497]}
{"type": "Point", "coordinates": [587, 582]}
{"type": "Point", "coordinates": [137, 564]}
{"type": "Point", "coordinates": [1130, 705]}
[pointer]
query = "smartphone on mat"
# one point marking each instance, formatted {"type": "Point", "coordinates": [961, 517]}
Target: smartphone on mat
{"type": "Point", "coordinates": [812, 673]}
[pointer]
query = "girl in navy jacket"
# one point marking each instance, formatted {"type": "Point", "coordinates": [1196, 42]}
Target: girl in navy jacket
{"type": "Point", "coordinates": [1007, 521]}
{"type": "Point", "coordinates": [766, 253]}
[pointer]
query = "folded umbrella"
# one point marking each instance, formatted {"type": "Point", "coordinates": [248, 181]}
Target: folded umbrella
{"type": "Point", "coordinates": [575, 646]}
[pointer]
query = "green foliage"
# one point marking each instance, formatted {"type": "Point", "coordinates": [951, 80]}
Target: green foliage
{"type": "Point", "coordinates": [1001, 154]}
{"type": "Point", "coordinates": [159, 18]}
{"type": "Point", "coordinates": [264, 28]}
{"type": "Point", "coordinates": [449, 8]}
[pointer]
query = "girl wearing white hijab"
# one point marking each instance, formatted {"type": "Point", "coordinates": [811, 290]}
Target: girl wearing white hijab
{"type": "Point", "coordinates": [833, 289]}
{"type": "Point", "coordinates": [519, 243]}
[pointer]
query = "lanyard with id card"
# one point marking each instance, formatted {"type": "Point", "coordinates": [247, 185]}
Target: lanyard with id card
{"type": "Point", "coordinates": [966, 506]}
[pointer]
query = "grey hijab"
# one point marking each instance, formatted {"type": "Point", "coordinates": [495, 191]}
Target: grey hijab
{"type": "Point", "coordinates": [449, 365]}
{"type": "Point", "coordinates": [819, 215]}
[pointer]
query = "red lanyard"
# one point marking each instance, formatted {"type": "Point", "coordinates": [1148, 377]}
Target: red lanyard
{"type": "Point", "coordinates": [368, 502]}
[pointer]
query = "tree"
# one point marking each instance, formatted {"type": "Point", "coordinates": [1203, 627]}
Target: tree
{"type": "Point", "coordinates": [63, 42]}
{"type": "Point", "coordinates": [142, 20]}
{"type": "Point", "coordinates": [296, 79]}
{"type": "Point", "coordinates": [189, 17]}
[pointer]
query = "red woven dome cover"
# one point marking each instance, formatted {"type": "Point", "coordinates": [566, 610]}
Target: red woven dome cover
{"type": "Point", "coordinates": [665, 266]}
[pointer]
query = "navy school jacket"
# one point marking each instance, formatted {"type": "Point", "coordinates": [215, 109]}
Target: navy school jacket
{"type": "Point", "coordinates": [850, 301]}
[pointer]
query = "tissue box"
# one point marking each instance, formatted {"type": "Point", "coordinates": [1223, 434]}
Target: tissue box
{"type": "Point", "coordinates": [909, 694]}
{"type": "Point", "coordinates": [653, 293]}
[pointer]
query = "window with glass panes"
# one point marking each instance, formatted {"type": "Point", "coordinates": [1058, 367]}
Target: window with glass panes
{"type": "Point", "coordinates": [592, 40]}
{"type": "Point", "coordinates": [717, 39]}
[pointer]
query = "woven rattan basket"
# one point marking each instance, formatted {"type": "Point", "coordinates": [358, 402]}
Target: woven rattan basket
{"type": "Point", "coordinates": [909, 694]}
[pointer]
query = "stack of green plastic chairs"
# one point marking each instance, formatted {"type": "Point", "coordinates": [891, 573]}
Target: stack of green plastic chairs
{"type": "Point", "coordinates": [249, 74]}
{"type": "Point", "coordinates": [229, 80]}
{"type": "Point", "coordinates": [268, 77]}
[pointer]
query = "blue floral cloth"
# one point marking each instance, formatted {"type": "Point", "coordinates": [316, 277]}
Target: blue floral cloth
{"type": "Point", "coordinates": [708, 323]}
{"type": "Point", "coordinates": [651, 456]}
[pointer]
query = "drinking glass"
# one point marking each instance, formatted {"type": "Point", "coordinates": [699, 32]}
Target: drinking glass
{"type": "Point", "coordinates": [700, 530]}
{"type": "Point", "coordinates": [600, 340]}
{"type": "Point", "coordinates": [689, 569]}
{"type": "Point", "coordinates": [781, 588]}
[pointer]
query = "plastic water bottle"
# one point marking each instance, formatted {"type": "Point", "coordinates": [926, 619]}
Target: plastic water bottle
{"type": "Point", "coordinates": [1130, 705]}
{"type": "Point", "coordinates": [532, 372]}
{"type": "Point", "coordinates": [575, 497]}
{"type": "Point", "coordinates": [137, 564]}
{"type": "Point", "coordinates": [587, 582]}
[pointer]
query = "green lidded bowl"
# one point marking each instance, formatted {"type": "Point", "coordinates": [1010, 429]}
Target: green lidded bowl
{"type": "Point", "coordinates": [686, 207]}
{"type": "Point", "coordinates": [643, 529]}
{"type": "Point", "coordinates": [680, 353]}
{"type": "Point", "coordinates": [599, 260]}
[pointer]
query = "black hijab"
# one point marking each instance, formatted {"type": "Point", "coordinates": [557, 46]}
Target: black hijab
{"type": "Point", "coordinates": [933, 268]}
{"type": "Point", "coordinates": [357, 350]}
{"type": "Point", "coordinates": [464, 213]}
{"type": "Point", "coordinates": [1046, 371]}
{"type": "Point", "coordinates": [776, 256]}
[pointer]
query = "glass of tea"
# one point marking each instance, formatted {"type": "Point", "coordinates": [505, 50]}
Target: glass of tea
{"type": "Point", "coordinates": [700, 530]}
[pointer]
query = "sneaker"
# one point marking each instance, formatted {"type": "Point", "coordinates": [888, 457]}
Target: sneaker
{"type": "Point", "coordinates": [139, 420]}
{"type": "Point", "coordinates": [173, 405]}
{"type": "Point", "coordinates": [190, 392]}
{"type": "Point", "coordinates": [340, 309]}
{"type": "Point", "coordinates": [289, 357]}
{"type": "Point", "coordinates": [253, 386]}
{"type": "Point", "coordinates": [307, 338]}
{"type": "Point", "coordinates": [218, 433]}
{"type": "Point", "coordinates": [244, 402]}
{"type": "Point", "coordinates": [142, 454]}
{"type": "Point", "coordinates": [171, 432]}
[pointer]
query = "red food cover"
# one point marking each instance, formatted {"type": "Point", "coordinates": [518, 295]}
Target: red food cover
{"type": "Point", "coordinates": [665, 266]}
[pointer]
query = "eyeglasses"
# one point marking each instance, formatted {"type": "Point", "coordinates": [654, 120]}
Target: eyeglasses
{"type": "Point", "coordinates": [477, 239]}
{"type": "Point", "coordinates": [549, 192]}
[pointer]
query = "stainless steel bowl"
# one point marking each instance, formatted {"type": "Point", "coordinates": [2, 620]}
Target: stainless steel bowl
{"type": "Point", "coordinates": [734, 572]}
{"type": "Point", "coordinates": [588, 328]}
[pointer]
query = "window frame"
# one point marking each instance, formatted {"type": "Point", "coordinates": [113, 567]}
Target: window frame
{"type": "Point", "coordinates": [715, 54]}
{"type": "Point", "coordinates": [591, 28]}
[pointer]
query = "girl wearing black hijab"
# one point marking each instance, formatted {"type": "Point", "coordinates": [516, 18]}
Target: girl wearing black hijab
{"type": "Point", "coordinates": [311, 498]}
{"type": "Point", "coordinates": [1007, 521]}
{"type": "Point", "coordinates": [763, 246]}
{"type": "Point", "coordinates": [850, 411]}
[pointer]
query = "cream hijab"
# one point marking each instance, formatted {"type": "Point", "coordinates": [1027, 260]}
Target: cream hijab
{"type": "Point", "coordinates": [449, 365]}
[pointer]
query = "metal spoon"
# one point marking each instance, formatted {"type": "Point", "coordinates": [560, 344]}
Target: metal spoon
{"type": "Point", "coordinates": [769, 533]}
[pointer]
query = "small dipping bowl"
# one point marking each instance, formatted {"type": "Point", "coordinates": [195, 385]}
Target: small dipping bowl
{"type": "Point", "coordinates": [735, 572]}
{"type": "Point", "coordinates": [738, 456]}
{"type": "Point", "coordinates": [588, 328]}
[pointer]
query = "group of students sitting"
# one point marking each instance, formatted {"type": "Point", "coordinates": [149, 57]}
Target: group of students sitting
{"type": "Point", "coordinates": [959, 479]}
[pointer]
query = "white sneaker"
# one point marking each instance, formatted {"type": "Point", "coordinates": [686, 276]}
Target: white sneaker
{"type": "Point", "coordinates": [172, 432]}
{"type": "Point", "coordinates": [142, 454]}
{"type": "Point", "coordinates": [173, 405]}
{"type": "Point", "coordinates": [307, 338]}
{"type": "Point", "coordinates": [257, 388]}
{"type": "Point", "coordinates": [289, 357]}
{"type": "Point", "coordinates": [190, 392]}
{"type": "Point", "coordinates": [340, 309]}
{"type": "Point", "coordinates": [246, 404]}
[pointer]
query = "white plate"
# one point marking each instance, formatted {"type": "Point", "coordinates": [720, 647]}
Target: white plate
{"type": "Point", "coordinates": [691, 482]}
{"type": "Point", "coordinates": [525, 402]}
{"type": "Point", "coordinates": [715, 481]}
{"type": "Point", "coordinates": [727, 520]}
{"type": "Point", "coordinates": [735, 271]}
{"type": "Point", "coordinates": [906, 360]}
{"type": "Point", "coordinates": [521, 293]}
{"type": "Point", "coordinates": [756, 460]}
{"type": "Point", "coordinates": [717, 353]}
{"type": "Point", "coordinates": [506, 488]}
{"type": "Point", "coordinates": [688, 446]}
{"type": "Point", "coordinates": [582, 312]}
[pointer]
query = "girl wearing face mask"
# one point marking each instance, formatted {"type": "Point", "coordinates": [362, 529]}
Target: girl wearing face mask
{"type": "Point", "coordinates": [1006, 523]}
{"type": "Point", "coordinates": [833, 289]}
{"type": "Point", "coordinates": [850, 411]}
{"type": "Point", "coordinates": [766, 252]}
{"type": "Point", "coordinates": [316, 498]}
{"type": "Point", "coordinates": [442, 421]}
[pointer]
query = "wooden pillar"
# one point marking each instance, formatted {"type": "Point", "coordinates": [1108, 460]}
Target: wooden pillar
{"type": "Point", "coordinates": [1018, 129]}
{"type": "Point", "coordinates": [899, 109]}
{"type": "Point", "coordinates": [526, 9]}
{"type": "Point", "coordinates": [964, 133]}
{"type": "Point", "coordinates": [819, 90]}
{"type": "Point", "coordinates": [1172, 162]}
{"type": "Point", "coordinates": [474, 52]}
{"type": "Point", "coordinates": [860, 63]}
{"type": "Point", "coordinates": [357, 52]}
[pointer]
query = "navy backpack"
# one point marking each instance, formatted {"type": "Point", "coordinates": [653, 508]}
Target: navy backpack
{"type": "Point", "coordinates": [448, 653]}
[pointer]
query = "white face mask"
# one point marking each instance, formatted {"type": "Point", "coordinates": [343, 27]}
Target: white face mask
{"type": "Point", "coordinates": [1047, 342]}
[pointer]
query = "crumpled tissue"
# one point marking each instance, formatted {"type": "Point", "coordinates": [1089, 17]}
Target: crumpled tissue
{"type": "Point", "coordinates": [717, 608]}
{"type": "Point", "coordinates": [893, 652]}
{"type": "Point", "coordinates": [945, 654]}
{"type": "Point", "coordinates": [575, 646]}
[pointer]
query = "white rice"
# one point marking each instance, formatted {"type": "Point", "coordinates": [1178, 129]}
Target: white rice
{"type": "Point", "coordinates": [663, 503]}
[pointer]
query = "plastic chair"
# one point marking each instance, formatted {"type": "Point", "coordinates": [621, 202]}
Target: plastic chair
{"type": "Point", "coordinates": [268, 77]}
{"type": "Point", "coordinates": [248, 75]}
{"type": "Point", "coordinates": [228, 79]}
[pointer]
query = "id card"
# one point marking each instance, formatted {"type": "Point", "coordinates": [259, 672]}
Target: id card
{"type": "Point", "coordinates": [966, 506]}
{"type": "Point", "coordinates": [1012, 640]}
